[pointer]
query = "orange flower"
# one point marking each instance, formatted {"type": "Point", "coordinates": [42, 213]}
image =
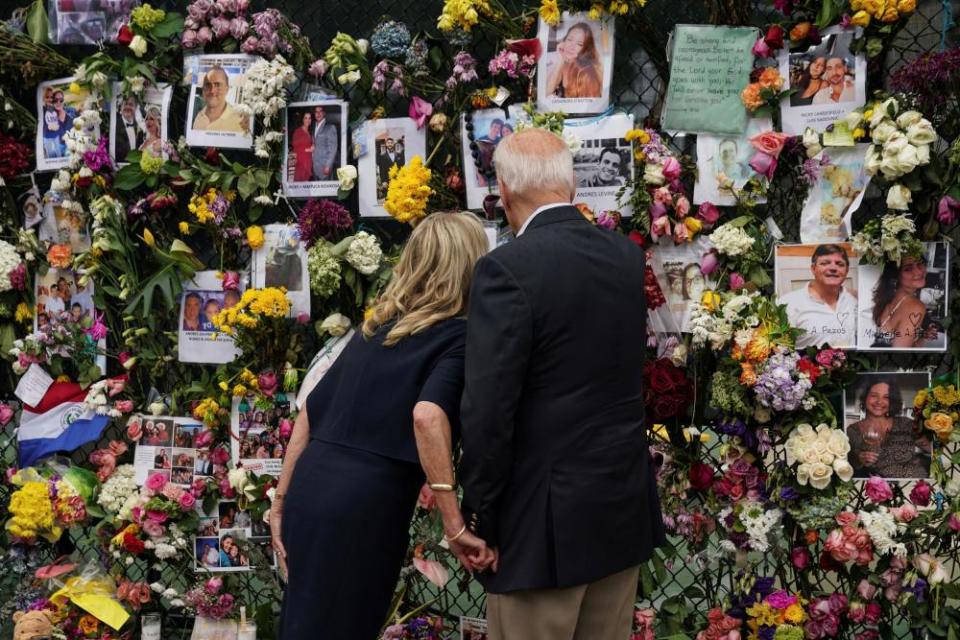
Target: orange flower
{"type": "Point", "coordinates": [748, 374]}
{"type": "Point", "coordinates": [88, 625]}
{"type": "Point", "coordinates": [60, 256]}
{"type": "Point", "coordinates": [811, 536]}
{"type": "Point", "coordinates": [771, 78]}
{"type": "Point", "coordinates": [751, 96]}
{"type": "Point", "coordinates": [800, 31]}
{"type": "Point", "coordinates": [585, 211]}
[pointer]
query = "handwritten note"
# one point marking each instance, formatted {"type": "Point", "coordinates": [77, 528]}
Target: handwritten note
{"type": "Point", "coordinates": [709, 68]}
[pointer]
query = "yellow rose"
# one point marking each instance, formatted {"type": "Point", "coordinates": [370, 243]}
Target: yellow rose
{"type": "Point", "coordinates": [940, 424]}
{"type": "Point", "coordinates": [921, 398]}
{"type": "Point", "coordinates": [860, 19]}
{"type": "Point", "coordinates": [873, 7]}
{"type": "Point", "coordinates": [710, 301]}
{"type": "Point", "coordinates": [890, 15]}
{"type": "Point", "coordinates": [856, 5]}
{"type": "Point", "coordinates": [255, 237]}
{"type": "Point", "coordinates": [906, 6]}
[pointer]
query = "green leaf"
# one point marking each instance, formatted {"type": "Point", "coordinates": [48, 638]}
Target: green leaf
{"type": "Point", "coordinates": [254, 213]}
{"type": "Point", "coordinates": [38, 25]}
{"type": "Point", "coordinates": [246, 185]}
{"type": "Point", "coordinates": [263, 178]}
{"type": "Point", "coordinates": [829, 13]}
{"type": "Point", "coordinates": [171, 24]}
{"type": "Point", "coordinates": [874, 47]}
{"type": "Point", "coordinates": [128, 178]}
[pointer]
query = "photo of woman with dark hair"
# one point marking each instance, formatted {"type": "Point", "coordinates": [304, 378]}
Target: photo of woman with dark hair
{"type": "Point", "coordinates": [579, 72]}
{"type": "Point", "coordinates": [809, 82]}
{"type": "Point", "coordinates": [902, 320]}
{"type": "Point", "coordinates": [885, 440]}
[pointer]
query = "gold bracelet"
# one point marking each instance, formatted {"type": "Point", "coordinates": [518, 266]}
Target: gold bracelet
{"type": "Point", "coordinates": [463, 530]}
{"type": "Point", "coordinates": [441, 486]}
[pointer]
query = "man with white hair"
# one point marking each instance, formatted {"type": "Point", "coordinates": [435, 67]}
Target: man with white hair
{"type": "Point", "coordinates": [556, 472]}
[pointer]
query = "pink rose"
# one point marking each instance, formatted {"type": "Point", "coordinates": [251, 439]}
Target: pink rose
{"type": "Point", "coordinates": [920, 494]}
{"type": "Point", "coordinates": [682, 206]}
{"type": "Point", "coordinates": [905, 513]}
{"type": "Point", "coordinates": [770, 142]}
{"type": "Point", "coordinates": [737, 282]}
{"type": "Point", "coordinates": [709, 262]}
{"type": "Point", "coordinates": [662, 195]}
{"type": "Point", "coordinates": [187, 501]}
{"type": "Point", "coordinates": [800, 557]}
{"type": "Point", "coordinates": [6, 414]}
{"type": "Point", "coordinates": [220, 27]}
{"type": "Point", "coordinates": [250, 45]}
{"type": "Point", "coordinates": [660, 226]}
{"type": "Point", "coordinates": [153, 529]}
{"type": "Point", "coordinates": [204, 35]}
{"type": "Point", "coordinates": [219, 455]}
{"type": "Point", "coordinates": [671, 169]}
{"type": "Point", "coordinates": [708, 212]}
{"type": "Point", "coordinates": [156, 516]}
{"type": "Point", "coordinates": [954, 522]}
{"type": "Point", "coordinates": [116, 385]}
{"type": "Point", "coordinates": [239, 28]}
{"type": "Point", "coordinates": [267, 382]}
{"type": "Point", "coordinates": [213, 585]}
{"type": "Point", "coordinates": [123, 406]}
{"type": "Point", "coordinates": [203, 438]}
{"type": "Point", "coordinates": [231, 281]}
{"type": "Point", "coordinates": [878, 490]}
{"type": "Point", "coordinates": [680, 233]}
{"type": "Point", "coordinates": [286, 428]}
{"type": "Point", "coordinates": [764, 164]}
{"type": "Point", "coordinates": [873, 612]}
{"type": "Point", "coordinates": [156, 482]}
{"type": "Point", "coordinates": [866, 590]}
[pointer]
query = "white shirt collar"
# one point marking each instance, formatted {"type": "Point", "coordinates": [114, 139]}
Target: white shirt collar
{"type": "Point", "coordinates": [540, 210]}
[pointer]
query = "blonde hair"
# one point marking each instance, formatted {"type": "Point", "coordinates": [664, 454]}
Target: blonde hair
{"type": "Point", "coordinates": [534, 160]}
{"type": "Point", "coordinates": [431, 281]}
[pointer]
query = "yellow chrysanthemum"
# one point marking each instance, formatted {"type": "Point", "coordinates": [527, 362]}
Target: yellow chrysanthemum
{"type": "Point", "coordinates": [32, 513]}
{"type": "Point", "coordinates": [462, 14]}
{"type": "Point", "coordinates": [409, 191]}
{"type": "Point", "coordinates": [184, 228]}
{"type": "Point", "coordinates": [946, 395]}
{"type": "Point", "coordinates": [795, 613]}
{"type": "Point", "coordinates": [550, 12]}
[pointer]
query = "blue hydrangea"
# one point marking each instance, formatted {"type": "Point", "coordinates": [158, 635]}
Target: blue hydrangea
{"type": "Point", "coordinates": [390, 39]}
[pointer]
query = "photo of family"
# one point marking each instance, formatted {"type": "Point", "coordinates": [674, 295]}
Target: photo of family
{"type": "Point", "coordinates": [722, 159]}
{"type": "Point", "coordinates": [387, 142]}
{"type": "Point", "coordinates": [818, 283]}
{"type": "Point", "coordinates": [573, 75]}
{"type": "Point", "coordinates": [315, 147]}
{"type": "Point", "coordinates": [225, 538]}
{"type": "Point", "coordinates": [64, 226]}
{"type": "Point", "coordinates": [828, 79]}
{"type": "Point", "coordinates": [62, 296]}
{"type": "Point", "coordinates": [903, 307]}
{"type": "Point", "coordinates": [88, 22]}
{"type": "Point", "coordinates": [603, 164]}
{"type": "Point", "coordinates": [885, 439]}
{"type": "Point", "coordinates": [282, 262]}
{"type": "Point", "coordinates": [157, 432]}
{"type": "Point", "coordinates": [169, 444]}
{"type": "Point", "coordinates": [57, 108]}
{"type": "Point", "coordinates": [490, 126]}
{"type": "Point", "coordinates": [263, 430]}
{"type": "Point", "coordinates": [215, 116]}
{"type": "Point", "coordinates": [199, 339]}
{"type": "Point", "coordinates": [835, 196]}
{"type": "Point", "coordinates": [139, 123]}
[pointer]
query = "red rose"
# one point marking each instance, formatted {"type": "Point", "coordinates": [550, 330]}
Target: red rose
{"type": "Point", "coordinates": [133, 544]}
{"type": "Point", "coordinates": [774, 37]}
{"type": "Point", "coordinates": [667, 406]}
{"type": "Point", "coordinates": [700, 476]}
{"type": "Point", "coordinates": [812, 370]}
{"type": "Point", "coordinates": [827, 563]}
{"type": "Point", "coordinates": [800, 557]}
{"type": "Point", "coordinates": [125, 36]}
{"type": "Point", "coordinates": [637, 238]}
{"type": "Point", "coordinates": [213, 156]}
{"type": "Point", "coordinates": [920, 494]}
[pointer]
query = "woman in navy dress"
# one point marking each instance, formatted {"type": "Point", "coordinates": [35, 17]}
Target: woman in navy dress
{"type": "Point", "coordinates": [374, 426]}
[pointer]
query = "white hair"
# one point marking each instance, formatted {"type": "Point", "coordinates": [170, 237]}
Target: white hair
{"type": "Point", "coordinates": [529, 162]}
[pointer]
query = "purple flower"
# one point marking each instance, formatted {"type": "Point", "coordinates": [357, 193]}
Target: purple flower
{"type": "Point", "coordinates": [464, 70]}
{"type": "Point", "coordinates": [98, 159]}
{"type": "Point", "coordinates": [250, 45]}
{"type": "Point", "coordinates": [323, 219]}
{"type": "Point", "coordinates": [97, 331]}
{"type": "Point", "coordinates": [189, 39]}
{"type": "Point", "coordinates": [204, 35]}
{"type": "Point", "coordinates": [18, 277]}
{"type": "Point", "coordinates": [199, 9]}
{"type": "Point", "coordinates": [608, 220]}
{"type": "Point", "coordinates": [948, 210]}
{"type": "Point", "coordinates": [238, 28]}
{"type": "Point", "coordinates": [220, 27]}
{"type": "Point", "coordinates": [227, 6]}
{"type": "Point", "coordinates": [778, 386]}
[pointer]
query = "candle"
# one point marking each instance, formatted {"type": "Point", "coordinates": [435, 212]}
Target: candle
{"type": "Point", "coordinates": [150, 626]}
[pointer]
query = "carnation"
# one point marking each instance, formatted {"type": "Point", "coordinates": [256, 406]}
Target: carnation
{"type": "Point", "coordinates": [9, 262]}
{"type": "Point", "coordinates": [731, 240]}
{"type": "Point", "coordinates": [364, 253]}
{"type": "Point", "coordinates": [118, 489]}
{"type": "Point", "coordinates": [324, 270]}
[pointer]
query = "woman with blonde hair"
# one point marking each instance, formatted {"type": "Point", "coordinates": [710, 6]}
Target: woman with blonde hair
{"type": "Point", "coordinates": [579, 71]}
{"type": "Point", "coordinates": [384, 416]}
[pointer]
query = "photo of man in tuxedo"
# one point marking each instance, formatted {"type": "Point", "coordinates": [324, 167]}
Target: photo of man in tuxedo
{"type": "Point", "coordinates": [128, 135]}
{"type": "Point", "coordinates": [389, 154]}
{"type": "Point", "coordinates": [326, 141]}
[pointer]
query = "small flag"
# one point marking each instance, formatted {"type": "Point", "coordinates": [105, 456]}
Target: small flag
{"type": "Point", "coordinates": [58, 423]}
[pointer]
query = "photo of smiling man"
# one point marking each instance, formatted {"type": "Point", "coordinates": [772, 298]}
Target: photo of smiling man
{"type": "Point", "coordinates": [824, 305]}
{"type": "Point", "coordinates": [608, 170]}
{"type": "Point", "coordinates": [216, 116]}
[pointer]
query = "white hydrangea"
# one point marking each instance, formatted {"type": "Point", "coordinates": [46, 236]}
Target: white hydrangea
{"type": "Point", "coordinates": [9, 260]}
{"type": "Point", "coordinates": [731, 240]}
{"type": "Point", "coordinates": [882, 527]}
{"type": "Point", "coordinates": [118, 489]}
{"type": "Point", "coordinates": [264, 87]}
{"type": "Point", "coordinates": [364, 253]}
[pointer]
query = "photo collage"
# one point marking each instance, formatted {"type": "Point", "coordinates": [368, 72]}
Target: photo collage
{"type": "Point", "coordinates": [230, 539]}
{"type": "Point", "coordinates": [263, 428]}
{"type": "Point", "coordinates": [168, 447]}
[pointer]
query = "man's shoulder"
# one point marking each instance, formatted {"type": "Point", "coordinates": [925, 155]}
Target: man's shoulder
{"type": "Point", "coordinates": [797, 296]}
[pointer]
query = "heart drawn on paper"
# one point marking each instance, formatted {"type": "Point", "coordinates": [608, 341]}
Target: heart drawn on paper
{"type": "Point", "coordinates": [915, 318]}
{"type": "Point", "coordinates": [842, 317]}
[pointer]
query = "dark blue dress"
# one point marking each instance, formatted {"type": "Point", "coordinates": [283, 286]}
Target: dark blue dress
{"type": "Point", "coordinates": [347, 512]}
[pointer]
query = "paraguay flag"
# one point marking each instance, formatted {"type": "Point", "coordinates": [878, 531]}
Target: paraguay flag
{"type": "Point", "coordinates": [58, 423]}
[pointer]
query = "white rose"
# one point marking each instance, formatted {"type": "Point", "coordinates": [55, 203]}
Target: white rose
{"type": "Point", "coordinates": [811, 140]}
{"type": "Point", "coordinates": [852, 121]}
{"type": "Point", "coordinates": [884, 132]}
{"type": "Point", "coordinates": [810, 455]}
{"type": "Point", "coordinates": [923, 154]}
{"type": "Point", "coordinates": [908, 118]}
{"type": "Point", "coordinates": [907, 159]}
{"type": "Point", "coordinates": [336, 324]}
{"type": "Point", "coordinates": [138, 45]}
{"type": "Point", "coordinates": [820, 475]}
{"type": "Point", "coordinates": [364, 45]}
{"type": "Point", "coordinates": [347, 175]}
{"type": "Point", "coordinates": [921, 133]}
{"type": "Point", "coordinates": [238, 479]}
{"type": "Point", "coordinates": [899, 197]}
{"type": "Point", "coordinates": [653, 174]}
{"type": "Point", "coordinates": [838, 444]}
{"type": "Point", "coordinates": [894, 144]}
{"type": "Point", "coordinates": [843, 469]}
{"type": "Point", "coordinates": [803, 474]}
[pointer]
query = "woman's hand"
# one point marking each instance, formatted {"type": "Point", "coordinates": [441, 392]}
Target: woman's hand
{"type": "Point", "coordinates": [276, 517]}
{"type": "Point", "coordinates": [473, 552]}
{"type": "Point", "coordinates": [868, 458]}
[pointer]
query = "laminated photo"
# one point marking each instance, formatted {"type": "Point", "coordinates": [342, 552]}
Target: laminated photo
{"type": "Point", "coordinates": [677, 268]}
{"type": "Point", "coordinates": [885, 440]}
{"type": "Point", "coordinates": [170, 445]}
{"type": "Point", "coordinates": [57, 107]}
{"type": "Point", "coordinates": [314, 148]}
{"type": "Point", "coordinates": [835, 196]}
{"type": "Point", "coordinates": [199, 341]}
{"type": "Point", "coordinates": [88, 22]}
{"type": "Point", "coordinates": [490, 126]}
{"type": "Point", "coordinates": [903, 307]}
{"type": "Point", "coordinates": [819, 285]}
{"type": "Point", "coordinates": [229, 539]}
{"type": "Point", "coordinates": [262, 427]}
{"type": "Point", "coordinates": [388, 142]}
{"type": "Point", "coordinates": [63, 226]}
{"type": "Point", "coordinates": [139, 123]}
{"type": "Point", "coordinates": [603, 164]}
{"type": "Point", "coordinates": [830, 82]}
{"type": "Point", "coordinates": [215, 116]}
{"type": "Point", "coordinates": [282, 262]}
{"type": "Point", "coordinates": [724, 158]}
{"type": "Point", "coordinates": [473, 628]}
{"type": "Point", "coordinates": [574, 73]}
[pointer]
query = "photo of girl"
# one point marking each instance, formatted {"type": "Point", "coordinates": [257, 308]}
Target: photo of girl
{"type": "Point", "coordinates": [574, 73]}
{"type": "Point", "coordinates": [578, 72]}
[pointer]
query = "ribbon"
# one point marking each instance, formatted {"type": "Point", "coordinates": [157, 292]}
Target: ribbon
{"type": "Point", "coordinates": [583, 122]}
{"type": "Point", "coordinates": [96, 597]}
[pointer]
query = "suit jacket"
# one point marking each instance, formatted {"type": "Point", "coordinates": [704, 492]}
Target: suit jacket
{"type": "Point", "coordinates": [555, 467]}
{"type": "Point", "coordinates": [122, 145]}
{"type": "Point", "coordinates": [325, 148]}
{"type": "Point", "coordinates": [384, 163]}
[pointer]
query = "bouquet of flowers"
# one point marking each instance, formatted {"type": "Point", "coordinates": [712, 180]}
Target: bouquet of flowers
{"type": "Point", "coordinates": [408, 191]}
{"type": "Point", "coordinates": [778, 615]}
{"type": "Point", "coordinates": [764, 91]}
{"type": "Point", "coordinates": [158, 518]}
{"type": "Point", "coordinates": [888, 239]}
{"type": "Point", "coordinates": [261, 328]}
{"type": "Point", "coordinates": [667, 390]}
{"type": "Point", "coordinates": [13, 271]}
{"type": "Point", "coordinates": [938, 409]}
{"type": "Point", "coordinates": [48, 501]}
{"type": "Point", "coordinates": [210, 600]}
{"type": "Point", "coordinates": [818, 454]}
{"type": "Point", "coordinates": [65, 346]}
{"type": "Point", "coordinates": [419, 628]}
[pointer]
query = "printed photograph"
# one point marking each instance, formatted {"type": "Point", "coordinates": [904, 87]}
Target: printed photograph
{"type": "Point", "coordinates": [162, 459]}
{"type": "Point", "coordinates": [573, 75]}
{"type": "Point", "coordinates": [678, 273]}
{"type": "Point", "coordinates": [263, 433]}
{"type": "Point", "coordinates": [903, 307]}
{"type": "Point", "coordinates": [231, 553]}
{"type": "Point", "coordinates": [819, 283]}
{"type": "Point", "coordinates": [207, 552]}
{"type": "Point", "coordinates": [207, 528]}
{"type": "Point", "coordinates": [156, 432]}
{"type": "Point", "coordinates": [473, 628]}
{"type": "Point", "coordinates": [722, 158]}
{"type": "Point", "coordinates": [199, 341]}
{"type": "Point", "coordinates": [182, 477]}
{"type": "Point", "coordinates": [64, 226]}
{"type": "Point", "coordinates": [837, 193]}
{"type": "Point", "coordinates": [885, 439]}
{"type": "Point", "coordinates": [378, 145]}
{"type": "Point", "coordinates": [139, 123]}
{"type": "Point", "coordinates": [214, 117]}
{"type": "Point", "coordinates": [315, 147]}
{"type": "Point", "coordinates": [62, 296]}
{"type": "Point", "coordinates": [603, 163]}
{"type": "Point", "coordinates": [184, 435]}
{"type": "Point", "coordinates": [57, 108]}
{"type": "Point", "coordinates": [199, 308]}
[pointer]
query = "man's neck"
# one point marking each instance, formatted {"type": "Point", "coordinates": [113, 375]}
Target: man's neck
{"type": "Point", "coordinates": [527, 211]}
{"type": "Point", "coordinates": [213, 114]}
{"type": "Point", "coordinates": [827, 294]}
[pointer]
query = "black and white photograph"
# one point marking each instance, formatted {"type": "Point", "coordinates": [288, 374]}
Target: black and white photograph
{"type": "Point", "coordinates": [139, 122]}
{"type": "Point", "coordinates": [263, 429]}
{"type": "Point", "coordinates": [314, 148]}
{"type": "Point", "coordinates": [574, 72]}
{"type": "Point", "coordinates": [830, 81]}
{"type": "Point", "coordinates": [215, 114]}
{"type": "Point", "coordinates": [677, 268]}
{"type": "Point", "coordinates": [282, 262]}
{"type": "Point", "coordinates": [473, 628]}
{"type": "Point", "coordinates": [723, 159]}
{"type": "Point", "coordinates": [903, 307]}
{"type": "Point", "coordinates": [490, 126]}
{"type": "Point", "coordinates": [199, 340]}
{"type": "Point", "coordinates": [604, 163]}
{"type": "Point", "coordinates": [819, 285]}
{"type": "Point", "coordinates": [388, 142]}
{"type": "Point", "coordinates": [885, 439]}
{"type": "Point", "coordinates": [63, 295]}
{"type": "Point", "coordinates": [57, 107]}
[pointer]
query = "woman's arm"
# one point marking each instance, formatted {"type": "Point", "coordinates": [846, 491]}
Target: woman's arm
{"type": "Point", "coordinates": [435, 448]}
{"type": "Point", "coordinates": [298, 442]}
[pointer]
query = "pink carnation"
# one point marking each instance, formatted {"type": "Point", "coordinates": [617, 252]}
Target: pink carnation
{"type": "Point", "coordinates": [878, 490]}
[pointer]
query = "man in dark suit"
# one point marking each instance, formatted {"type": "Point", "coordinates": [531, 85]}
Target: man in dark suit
{"type": "Point", "coordinates": [388, 157]}
{"type": "Point", "coordinates": [128, 136]}
{"type": "Point", "coordinates": [556, 473]}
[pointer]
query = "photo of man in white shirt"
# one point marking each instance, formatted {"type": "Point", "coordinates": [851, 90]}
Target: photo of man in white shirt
{"type": "Point", "coordinates": [824, 307]}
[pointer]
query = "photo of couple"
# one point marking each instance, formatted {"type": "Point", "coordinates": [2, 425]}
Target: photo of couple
{"type": "Point", "coordinates": [825, 74]}
{"type": "Point", "coordinates": [57, 107]}
{"type": "Point", "coordinates": [139, 123]}
{"type": "Point", "coordinates": [316, 146]}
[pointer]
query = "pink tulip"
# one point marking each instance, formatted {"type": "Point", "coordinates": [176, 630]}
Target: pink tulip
{"type": "Point", "coordinates": [709, 262]}
{"type": "Point", "coordinates": [660, 227]}
{"type": "Point", "coordinates": [420, 110]}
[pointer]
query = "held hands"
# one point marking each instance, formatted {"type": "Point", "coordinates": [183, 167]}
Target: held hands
{"type": "Point", "coordinates": [473, 553]}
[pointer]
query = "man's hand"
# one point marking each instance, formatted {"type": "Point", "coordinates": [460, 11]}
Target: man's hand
{"type": "Point", "coordinates": [276, 516]}
{"type": "Point", "coordinates": [472, 552]}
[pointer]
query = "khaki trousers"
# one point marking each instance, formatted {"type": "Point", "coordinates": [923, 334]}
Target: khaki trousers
{"type": "Point", "coordinates": [601, 610]}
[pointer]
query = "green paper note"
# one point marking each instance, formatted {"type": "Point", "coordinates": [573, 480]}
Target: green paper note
{"type": "Point", "coordinates": [839, 135]}
{"type": "Point", "coordinates": [709, 68]}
